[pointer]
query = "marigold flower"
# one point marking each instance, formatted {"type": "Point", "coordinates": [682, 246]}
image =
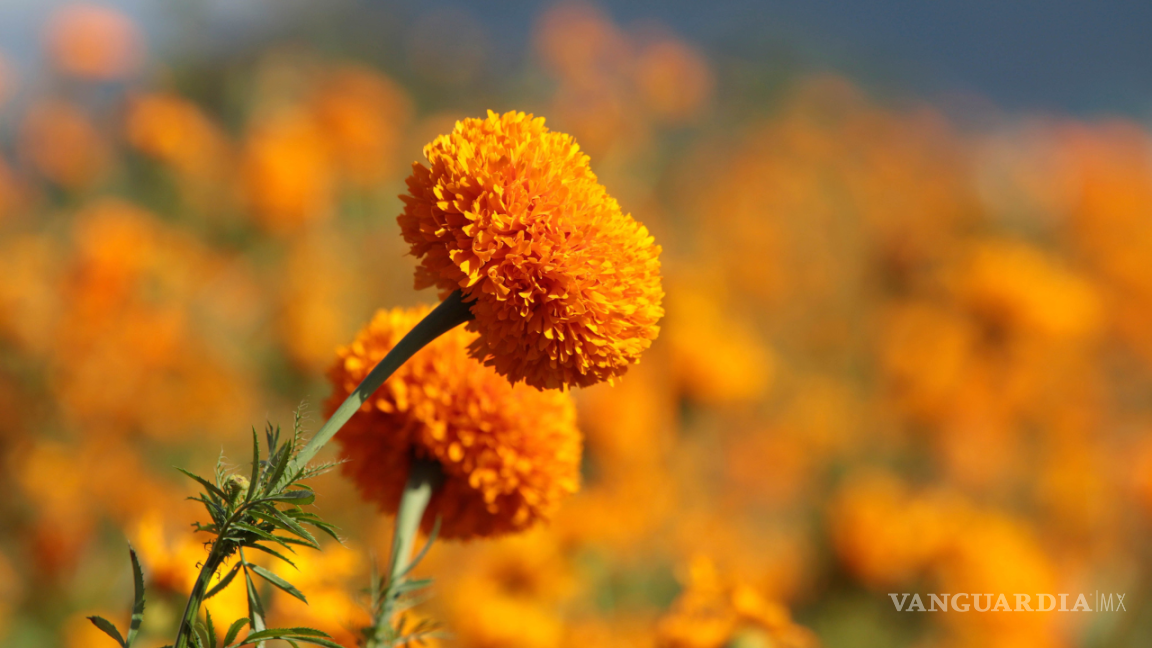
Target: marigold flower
{"type": "Point", "coordinates": [176, 132]}
{"type": "Point", "coordinates": [363, 115]}
{"type": "Point", "coordinates": [713, 612]}
{"type": "Point", "coordinates": [93, 42]}
{"type": "Point", "coordinates": [287, 173]}
{"type": "Point", "coordinates": [508, 452]}
{"type": "Point", "coordinates": [564, 287]}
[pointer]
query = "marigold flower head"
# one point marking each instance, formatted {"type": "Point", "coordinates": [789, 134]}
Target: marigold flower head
{"type": "Point", "coordinates": [565, 288]}
{"type": "Point", "coordinates": [509, 453]}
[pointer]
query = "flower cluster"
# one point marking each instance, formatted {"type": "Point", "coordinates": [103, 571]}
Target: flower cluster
{"type": "Point", "coordinates": [509, 454]}
{"type": "Point", "coordinates": [565, 288]}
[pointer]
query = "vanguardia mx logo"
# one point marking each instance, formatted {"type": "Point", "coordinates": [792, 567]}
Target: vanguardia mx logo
{"type": "Point", "coordinates": [1097, 602]}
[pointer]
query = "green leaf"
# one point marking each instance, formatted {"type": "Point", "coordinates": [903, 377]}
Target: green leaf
{"type": "Point", "coordinates": [212, 488]}
{"type": "Point", "coordinates": [298, 632]}
{"type": "Point", "coordinates": [424, 550]}
{"type": "Point", "coordinates": [215, 510]}
{"type": "Point", "coordinates": [137, 598]}
{"type": "Point", "coordinates": [109, 629]}
{"type": "Point", "coordinates": [210, 528]}
{"type": "Point", "coordinates": [199, 634]}
{"type": "Point", "coordinates": [326, 643]}
{"type": "Point", "coordinates": [260, 547]}
{"type": "Point", "coordinates": [282, 459]}
{"type": "Point", "coordinates": [271, 437]}
{"type": "Point", "coordinates": [288, 524]}
{"type": "Point", "coordinates": [255, 607]}
{"type": "Point", "coordinates": [297, 541]}
{"type": "Point", "coordinates": [412, 585]}
{"type": "Point", "coordinates": [255, 467]}
{"type": "Point", "coordinates": [210, 628]}
{"type": "Point", "coordinates": [317, 469]}
{"type": "Point", "coordinates": [278, 582]}
{"type": "Point", "coordinates": [219, 587]}
{"type": "Point", "coordinates": [235, 629]}
{"type": "Point", "coordinates": [261, 533]}
{"type": "Point", "coordinates": [298, 497]}
{"type": "Point", "coordinates": [314, 520]}
{"type": "Point", "coordinates": [307, 635]}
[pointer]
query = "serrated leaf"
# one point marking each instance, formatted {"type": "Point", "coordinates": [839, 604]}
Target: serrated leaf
{"type": "Point", "coordinates": [235, 629]}
{"type": "Point", "coordinates": [299, 632]}
{"type": "Point", "coordinates": [255, 607]}
{"type": "Point", "coordinates": [282, 460]}
{"type": "Point", "coordinates": [108, 628]}
{"type": "Point", "coordinates": [212, 488]}
{"type": "Point", "coordinates": [288, 524]}
{"type": "Point", "coordinates": [260, 547]}
{"type": "Point", "coordinates": [210, 528]}
{"type": "Point", "coordinates": [299, 497]}
{"type": "Point", "coordinates": [224, 581]}
{"type": "Point", "coordinates": [210, 628]}
{"type": "Point", "coordinates": [314, 520]}
{"type": "Point", "coordinates": [306, 635]}
{"type": "Point", "coordinates": [269, 438]}
{"type": "Point", "coordinates": [316, 641]}
{"type": "Point", "coordinates": [308, 472]}
{"type": "Point", "coordinates": [137, 598]}
{"type": "Point", "coordinates": [260, 533]}
{"type": "Point", "coordinates": [278, 582]}
{"type": "Point", "coordinates": [255, 467]}
{"type": "Point", "coordinates": [217, 512]}
{"type": "Point", "coordinates": [296, 541]}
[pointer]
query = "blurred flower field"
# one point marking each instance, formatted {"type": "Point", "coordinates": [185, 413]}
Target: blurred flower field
{"type": "Point", "coordinates": [907, 344]}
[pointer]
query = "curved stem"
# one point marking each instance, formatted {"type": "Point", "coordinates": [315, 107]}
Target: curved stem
{"type": "Point", "coordinates": [451, 313]}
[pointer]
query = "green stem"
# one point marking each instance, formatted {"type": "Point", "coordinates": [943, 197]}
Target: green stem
{"type": "Point", "coordinates": [211, 564]}
{"type": "Point", "coordinates": [424, 477]}
{"type": "Point", "coordinates": [219, 552]}
{"type": "Point", "coordinates": [451, 313]}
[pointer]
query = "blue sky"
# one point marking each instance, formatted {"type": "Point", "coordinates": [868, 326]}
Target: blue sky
{"type": "Point", "coordinates": [1084, 58]}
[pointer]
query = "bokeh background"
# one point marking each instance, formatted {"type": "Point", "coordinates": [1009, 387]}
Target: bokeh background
{"type": "Point", "coordinates": [908, 344]}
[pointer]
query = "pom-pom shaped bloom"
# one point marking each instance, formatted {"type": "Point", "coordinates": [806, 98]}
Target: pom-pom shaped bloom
{"type": "Point", "coordinates": [564, 287]}
{"type": "Point", "coordinates": [508, 452]}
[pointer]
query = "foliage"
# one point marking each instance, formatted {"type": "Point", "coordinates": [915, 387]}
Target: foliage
{"type": "Point", "coordinates": [263, 512]}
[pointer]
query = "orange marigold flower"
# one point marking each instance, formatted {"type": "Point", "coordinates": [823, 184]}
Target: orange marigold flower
{"type": "Point", "coordinates": [712, 612]}
{"type": "Point", "coordinates": [509, 453]}
{"type": "Point", "coordinates": [565, 288]}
